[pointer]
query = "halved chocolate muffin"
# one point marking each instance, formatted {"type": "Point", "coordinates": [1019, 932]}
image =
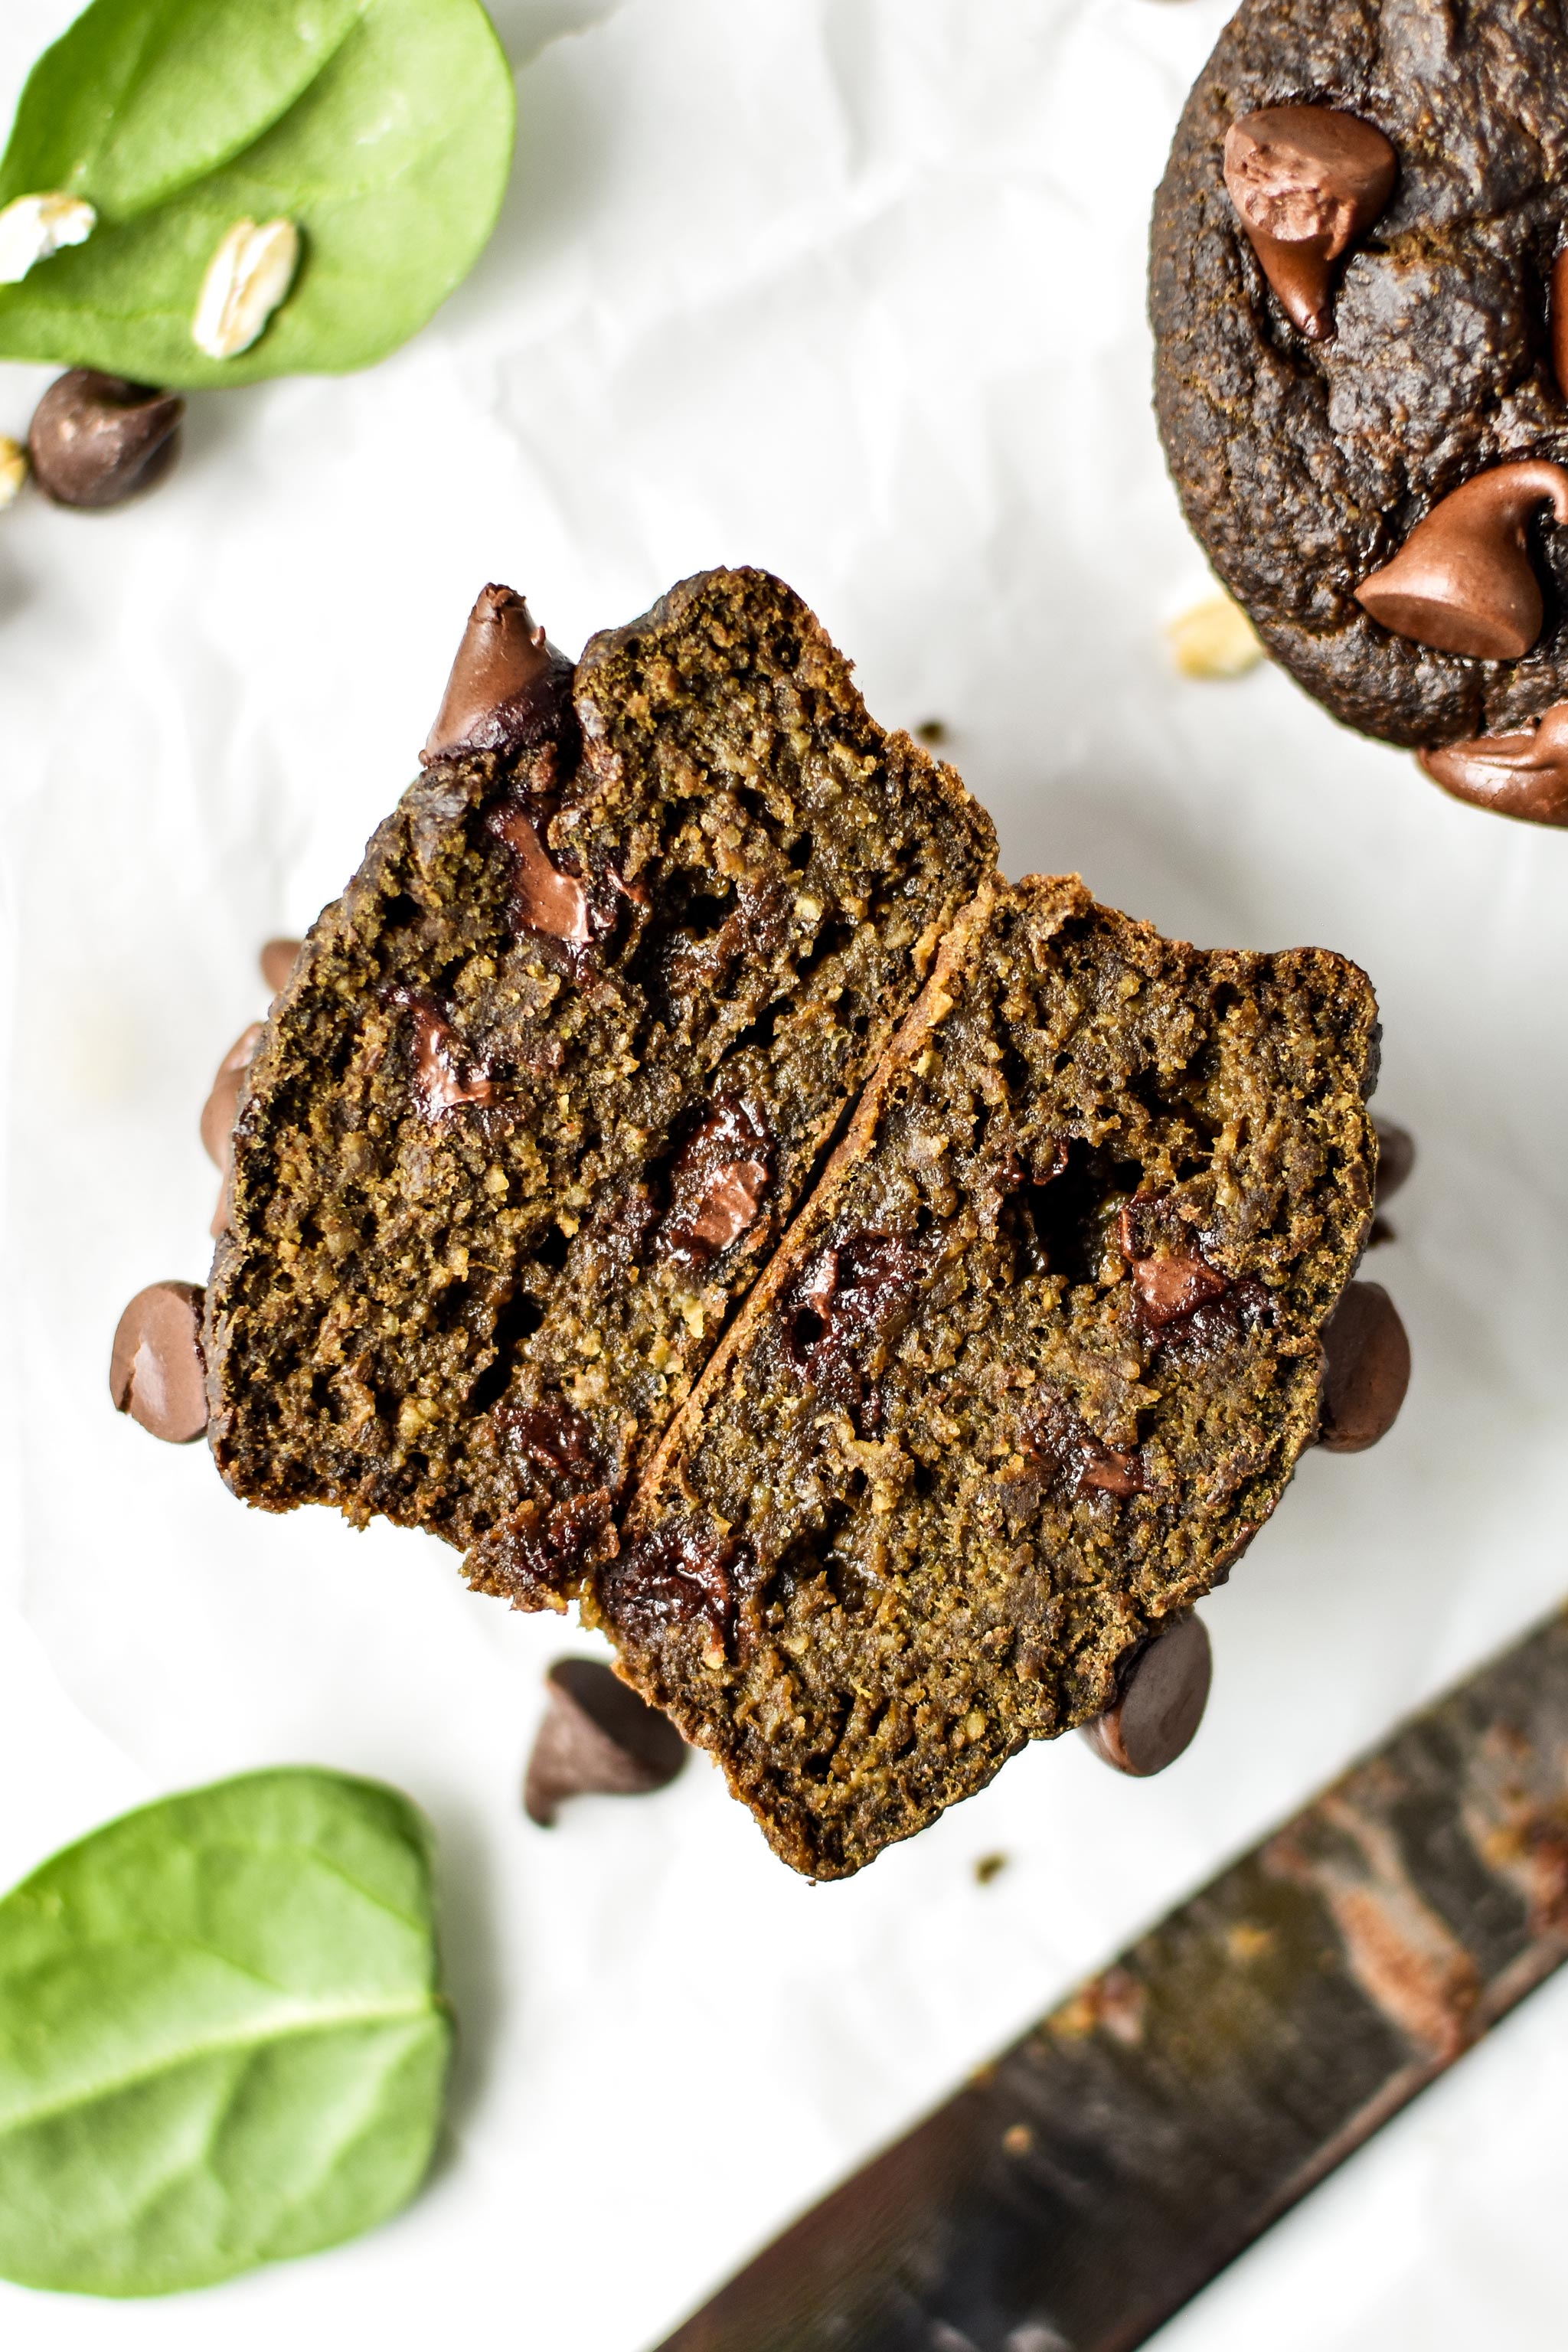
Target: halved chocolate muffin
{"type": "Point", "coordinates": [548, 1081]}
{"type": "Point", "coordinates": [1033, 1364]}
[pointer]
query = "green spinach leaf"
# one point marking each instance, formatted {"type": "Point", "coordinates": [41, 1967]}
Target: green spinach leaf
{"type": "Point", "coordinates": [382, 127]}
{"type": "Point", "coordinates": [221, 2037]}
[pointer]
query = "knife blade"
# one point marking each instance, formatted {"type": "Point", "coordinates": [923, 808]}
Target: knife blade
{"type": "Point", "coordinates": [1077, 2191]}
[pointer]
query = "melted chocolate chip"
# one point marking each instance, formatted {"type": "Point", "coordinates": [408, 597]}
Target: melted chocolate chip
{"type": "Point", "coordinates": [96, 439]}
{"type": "Point", "coordinates": [508, 686]}
{"type": "Point", "coordinates": [685, 1569]}
{"type": "Point", "coordinates": [544, 898]}
{"type": "Point", "coordinates": [444, 1077]}
{"type": "Point", "coordinates": [540, 1552]}
{"type": "Point", "coordinates": [554, 1437]}
{"type": "Point", "coordinates": [598, 1739]}
{"type": "Point", "coordinates": [1073, 1457]}
{"type": "Point", "coordinates": [851, 1302]}
{"type": "Point", "coordinates": [718, 1180]}
{"type": "Point", "coordinates": [1170, 1288]}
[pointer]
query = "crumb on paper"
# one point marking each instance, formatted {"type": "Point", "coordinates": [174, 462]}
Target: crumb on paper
{"type": "Point", "coordinates": [1214, 639]}
{"type": "Point", "coordinates": [932, 730]}
{"type": "Point", "coordinates": [987, 1866]}
{"type": "Point", "coordinates": [13, 470]}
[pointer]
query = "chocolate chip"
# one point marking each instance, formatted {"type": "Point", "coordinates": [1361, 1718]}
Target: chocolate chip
{"type": "Point", "coordinates": [544, 899]}
{"type": "Point", "coordinates": [598, 1740]}
{"type": "Point", "coordinates": [1463, 581]}
{"type": "Point", "coordinates": [1162, 1691]}
{"type": "Point", "coordinates": [1168, 1288]}
{"type": "Point", "coordinates": [718, 1180]}
{"type": "Point", "coordinates": [223, 1102]}
{"type": "Point", "coordinates": [1366, 1369]}
{"type": "Point", "coordinates": [848, 1306]}
{"type": "Point", "coordinates": [445, 1079]}
{"type": "Point", "coordinates": [96, 439]}
{"type": "Point", "coordinates": [685, 1569]}
{"type": "Point", "coordinates": [539, 1554]}
{"type": "Point", "coordinates": [1522, 775]}
{"type": "Point", "coordinates": [1395, 1159]}
{"type": "Point", "coordinates": [508, 684]}
{"type": "Point", "coordinates": [157, 1371]}
{"type": "Point", "coordinates": [277, 960]}
{"type": "Point", "coordinates": [553, 1437]}
{"type": "Point", "coordinates": [1306, 181]}
{"type": "Point", "coordinates": [1072, 1457]}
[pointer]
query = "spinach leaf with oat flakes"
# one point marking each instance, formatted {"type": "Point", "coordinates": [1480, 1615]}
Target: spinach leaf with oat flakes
{"type": "Point", "coordinates": [382, 127]}
{"type": "Point", "coordinates": [222, 2041]}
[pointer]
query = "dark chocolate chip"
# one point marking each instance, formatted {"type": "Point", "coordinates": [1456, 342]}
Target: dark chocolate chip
{"type": "Point", "coordinates": [718, 1180]}
{"type": "Point", "coordinates": [157, 1371]}
{"type": "Point", "coordinates": [223, 1102]}
{"type": "Point", "coordinates": [1366, 1369]}
{"type": "Point", "coordinates": [685, 1569]}
{"type": "Point", "coordinates": [1168, 1288]}
{"type": "Point", "coordinates": [508, 683]}
{"type": "Point", "coordinates": [553, 1437]}
{"type": "Point", "coordinates": [1395, 1159]}
{"type": "Point", "coordinates": [1522, 775]}
{"type": "Point", "coordinates": [277, 960]}
{"type": "Point", "coordinates": [96, 439]}
{"type": "Point", "coordinates": [598, 1739]}
{"type": "Point", "coordinates": [1163, 1690]}
{"type": "Point", "coordinates": [445, 1079]}
{"type": "Point", "coordinates": [1072, 1457]}
{"type": "Point", "coordinates": [544, 898]}
{"type": "Point", "coordinates": [1306, 181]}
{"type": "Point", "coordinates": [1463, 581]}
{"type": "Point", "coordinates": [539, 1553]}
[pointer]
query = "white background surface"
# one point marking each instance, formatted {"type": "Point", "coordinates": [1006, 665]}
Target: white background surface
{"type": "Point", "coordinates": [852, 289]}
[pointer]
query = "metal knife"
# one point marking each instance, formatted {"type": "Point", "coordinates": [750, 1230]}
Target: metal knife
{"type": "Point", "coordinates": [1077, 2192]}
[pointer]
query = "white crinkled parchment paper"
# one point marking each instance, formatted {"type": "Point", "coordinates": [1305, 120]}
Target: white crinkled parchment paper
{"type": "Point", "coordinates": [853, 288]}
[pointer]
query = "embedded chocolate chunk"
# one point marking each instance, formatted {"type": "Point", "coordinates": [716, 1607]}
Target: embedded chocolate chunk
{"type": "Point", "coordinates": [444, 1077]}
{"type": "Point", "coordinates": [1464, 581]}
{"type": "Point", "coordinates": [1171, 1284]}
{"type": "Point", "coordinates": [967, 1465]}
{"type": "Point", "coordinates": [1306, 182]}
{"type": "Point", "coordinates": [544, 898]}
{"type": "Point", "coordinates": [556, 1437]}
{"type": "Point", "coordinates": [1366, 1369]}
{"type": "Point", "coordinates": [686, 1570]}
{"type": "Point", "coordinates": [598, 1739]}
{"type": "Point", "coordinates": [277, 960]}
{"type": "Point", "coordinates": [223, 1102]}
{"type": "Point", "coordinates": [548, 1080]}
{"type": "Point", "coordinates": [718, 1180]}
{"type": "Point", "coordinates": [96, 440]}
{"type": "Point", "coordinates": [1162, 1690]}
{"type": "Point", "coordinates": [508, 683]}
{"type": "Point", "coordinates": [1522, 775]}
{"type": "Point", "coordinates": [156, 1371]}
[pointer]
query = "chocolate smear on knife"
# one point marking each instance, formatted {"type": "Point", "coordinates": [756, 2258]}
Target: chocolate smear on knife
{"type": "Point", "coordinates": [599, 1738]}
{"type": "Point", "coordinates": [1075, 2193]}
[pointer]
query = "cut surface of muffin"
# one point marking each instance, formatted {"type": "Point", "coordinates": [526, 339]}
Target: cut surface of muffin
{"type": "Point", "coordinates": [1036, 1362]}
{"type": "Point", "coordinates": [550, 1078]}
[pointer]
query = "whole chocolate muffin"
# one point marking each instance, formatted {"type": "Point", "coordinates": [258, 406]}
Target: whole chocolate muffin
{"type": "Point", "coordinates": [1355, 287]}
